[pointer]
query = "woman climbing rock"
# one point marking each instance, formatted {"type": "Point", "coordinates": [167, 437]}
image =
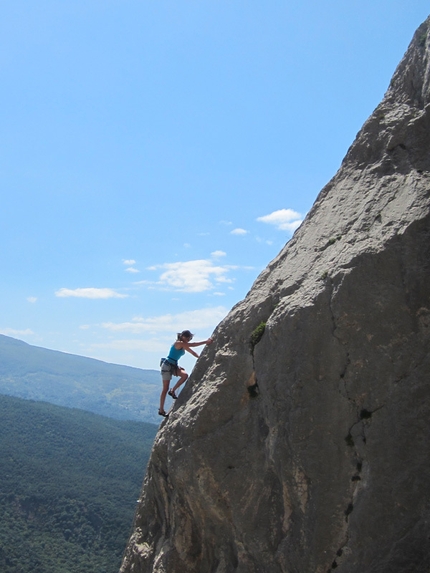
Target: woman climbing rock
{"type": "Point", "coordinates": [170, 367]}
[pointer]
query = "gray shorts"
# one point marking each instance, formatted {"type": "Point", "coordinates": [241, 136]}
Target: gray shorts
{"type": "Point", "coordinates": [168, 369]}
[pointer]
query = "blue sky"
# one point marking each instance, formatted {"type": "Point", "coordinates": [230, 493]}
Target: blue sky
{"type": "Point", "coordinates": [156, 154]}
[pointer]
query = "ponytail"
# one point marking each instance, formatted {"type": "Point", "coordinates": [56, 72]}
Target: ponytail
{"type": "Point", "coordinates": [186, 333]}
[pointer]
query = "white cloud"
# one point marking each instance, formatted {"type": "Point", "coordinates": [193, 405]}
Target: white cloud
{"type": "Point", "coordinates": [193, 320]}
{"type": "Point", "coordinates": [239, 231]}
{"type": "Point", "coordinates": [265, 241]}
{"type": "Point", "coordinates": [94, 293]}
{"type": "Point", "coordinates": [224, 279]}
{"type": "Point", "coordinates": [133, 344]}
{"type": "Point", "coordinates": [131, 270]}
{"type": "Point", "coordinates": [192, 276]}
{"type": "Point", "coordinates": [218, 254]}
{"type": "Point", "coordinates": [283, 219]}
{"type": "Point", "coordinates": [32, 299]}
{"type": "Point", "coordinates": [14, 332]}
{"type": "Point", "coordinates": [128, 262]}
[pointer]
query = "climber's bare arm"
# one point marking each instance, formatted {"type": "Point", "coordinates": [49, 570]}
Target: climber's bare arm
{"type": "Point", "coordinates": [192, 344]}
{"type": "Point", "coordinates": [188, 346]}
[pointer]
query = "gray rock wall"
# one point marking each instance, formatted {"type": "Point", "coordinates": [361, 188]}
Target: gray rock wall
{"type": "Point", "coordinates": [309, 451]}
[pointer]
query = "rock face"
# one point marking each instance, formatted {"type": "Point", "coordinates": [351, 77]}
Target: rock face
{"type": "Point", "coordinates": [309, 449]}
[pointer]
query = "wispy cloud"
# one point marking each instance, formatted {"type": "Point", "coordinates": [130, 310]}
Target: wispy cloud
{"type": "Point", "coordinates": [266, 241]}
{"type": "Point", "coordinates": [192, 276]}
{"type": "Point", "coordinates": [93, 293]}
{"type": "Point", "coordinates": [239, 231]}
{"type": "Point", "coordinates": [129, 263]}
{"type": "Point", "coordinates": [218, 254]}
{"type": "Point", "coordinates": [127, 345]}
{"type": "Point", "coordinates": [194, 320]}
{"type": "Point", "coordinates": [15, 332]}
{"type": "Point", "coordinates": [32, 299]}
{"type": "Point", "coordinates": [283, 219]}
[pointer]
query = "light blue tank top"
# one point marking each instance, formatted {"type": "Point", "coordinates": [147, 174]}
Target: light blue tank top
{"type": "Point", "coordinates": [175, 354]}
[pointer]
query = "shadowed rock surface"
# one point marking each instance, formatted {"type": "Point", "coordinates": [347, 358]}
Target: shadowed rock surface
{"type": "Point", "coordinates": [308, 451]}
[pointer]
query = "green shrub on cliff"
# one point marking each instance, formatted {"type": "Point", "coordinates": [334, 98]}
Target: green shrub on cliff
{"type": "Point", "coordinates": [257, 335]}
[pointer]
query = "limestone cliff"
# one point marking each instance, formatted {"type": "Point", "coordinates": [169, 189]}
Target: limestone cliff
{"type": "Point", "coordinates": [309, 449]}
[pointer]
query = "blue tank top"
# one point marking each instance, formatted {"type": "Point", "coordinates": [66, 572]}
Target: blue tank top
{"type": "Point", "coordinates": [175, 354]}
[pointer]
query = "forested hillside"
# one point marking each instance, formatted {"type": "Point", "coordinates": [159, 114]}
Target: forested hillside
{"type": "Point", "coordinates": [69, 481]}
{"type": "Point", "coordinates": [112, 390]}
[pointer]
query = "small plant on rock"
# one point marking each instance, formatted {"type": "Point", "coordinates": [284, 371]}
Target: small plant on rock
{"type": "Point", "coordinates": [257, 335]}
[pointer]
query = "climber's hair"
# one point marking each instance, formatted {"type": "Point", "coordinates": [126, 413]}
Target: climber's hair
{"type": "Point", "coordinates": [185, 333]}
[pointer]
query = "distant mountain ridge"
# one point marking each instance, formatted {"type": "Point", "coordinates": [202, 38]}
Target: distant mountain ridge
{"type": "Point", "coordinates": [112, 390]}
{"type": "Point", "coordinates": [69, 481]}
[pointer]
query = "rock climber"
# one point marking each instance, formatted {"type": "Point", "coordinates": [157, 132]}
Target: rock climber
{"type": "Point", "coordinates": [170, 367]}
